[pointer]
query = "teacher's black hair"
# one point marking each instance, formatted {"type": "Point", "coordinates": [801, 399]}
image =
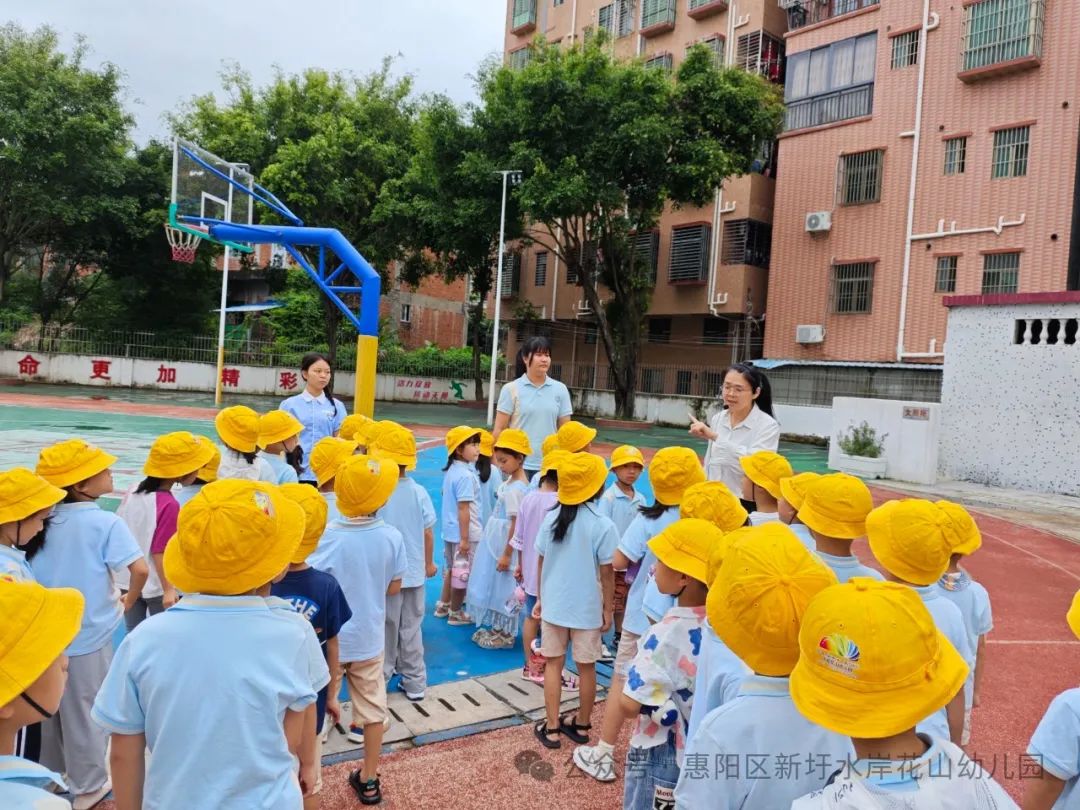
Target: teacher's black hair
{"type": "Point", "coordinates": [535, 345]}
{"type": "Point", "coordinates": [757, 380]}
{"type": "Point", "coordinates": [310, 359]}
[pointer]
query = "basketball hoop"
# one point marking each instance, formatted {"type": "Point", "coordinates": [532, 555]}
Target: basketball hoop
{"type": "Point", "coordinates": [183, 243]}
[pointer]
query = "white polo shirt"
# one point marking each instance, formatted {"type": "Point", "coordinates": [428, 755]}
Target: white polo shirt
{"type": "Point", "coordinates": [758, 431]}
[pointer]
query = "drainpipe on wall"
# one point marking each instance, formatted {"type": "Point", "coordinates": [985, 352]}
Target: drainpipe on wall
{"type": "Point", "coordinates": [927, 25]}
{"type": "Point", "coordinates": [573, 23]}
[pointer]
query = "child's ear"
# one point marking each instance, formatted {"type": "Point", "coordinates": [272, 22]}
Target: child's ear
{"type": "Point", "coordinates": [7, 711]}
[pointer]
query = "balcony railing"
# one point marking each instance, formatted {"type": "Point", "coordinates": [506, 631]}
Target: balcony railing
{"type": "Point", "coordinates": [699, 9]}
{"type": "Point", "coordinates": [1002, 32]}
{"type": "Point", "coordinates": [657, 16]}
{"type": "Point", "coordinates": [851, 102]}
{"type": "Point", "coordinates": [808, 12]}
{"type": "Point", "coordinates": [524, 17]}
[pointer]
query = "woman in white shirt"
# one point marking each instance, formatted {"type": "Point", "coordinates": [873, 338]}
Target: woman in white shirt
{"type": "Point", "coordinates": [744, 426]}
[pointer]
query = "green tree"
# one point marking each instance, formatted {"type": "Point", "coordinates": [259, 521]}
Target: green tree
{"type": "Point", "coordinates": [444, 212]}
{"type": "Point", "coordinates": [605, 145]}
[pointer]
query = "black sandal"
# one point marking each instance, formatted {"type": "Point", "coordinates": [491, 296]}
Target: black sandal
{"type": "Point", "coordinates": [368, 792]}
{"type": "Point", "coordinates": [544, 734]}
{"type": "Point", "coordinates": [573, 730]}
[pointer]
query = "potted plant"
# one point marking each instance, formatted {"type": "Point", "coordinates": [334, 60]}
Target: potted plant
{"type": "Point", "coordinates": [860, 452]}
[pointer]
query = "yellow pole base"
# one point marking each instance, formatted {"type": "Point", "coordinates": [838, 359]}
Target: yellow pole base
{"type": "Point", "coordinates": [367, 355]}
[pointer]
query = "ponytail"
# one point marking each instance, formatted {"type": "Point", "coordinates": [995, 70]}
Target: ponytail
{"type": "Point", "coordinates": [654, 511]}
{"type": "Point", "coordinates": [567, 513]}
{"type": "Point", "coordinates": [483, 467]}
{"type": "Point", "coordinates": [149, 484]}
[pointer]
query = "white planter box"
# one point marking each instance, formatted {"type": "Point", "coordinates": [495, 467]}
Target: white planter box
{"type": "Point", "coordinates": [860, 466]}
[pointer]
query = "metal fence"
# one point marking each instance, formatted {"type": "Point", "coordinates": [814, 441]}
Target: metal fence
{"type": "Point", "coordinates": [817, 385]}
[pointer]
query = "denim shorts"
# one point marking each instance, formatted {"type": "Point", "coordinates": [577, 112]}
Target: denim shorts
{"type": "Point", "coordinates": [530, 603]}
{"type": "Point", "coordinates": [651, 776]}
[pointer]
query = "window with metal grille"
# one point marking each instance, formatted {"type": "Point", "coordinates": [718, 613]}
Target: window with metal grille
{"type": "Point", "coordinates": [406, 313]}
{"type": "Point", "coordinates": [945, 280]}
{"type": "Point", "coordinates": [524, 13]}
{"type": "Point", "coordinates": [746, 241]}
{"type": "Point", "coordinates": [605, 18]}
{"type": "Point", "coordinates": [590, 333]}
{"type": "Point", "coordinates": [662, 61]}
{"type": "Point", "coordinates": [715, 43]}
{"type": "Point", "coordinates": [715, 330]}
{"type": "Point", "coordinates": [689, 253]}
{"type": "Point", "coordinates": [1001, 273]}
{"type": "Point", "coordinates": [853, 288]}
{"type": "Point", "coordinates": [831, 83]}
{"type": "Point", "coordinates": [765, 163]}
{"type": "Point", "coordinates": [646, 247]}
{"type": "Point", "coordinates": [652, 380]}
{"type": "Point", "coordinates": [625, 17]}
{"type": "Point", "coordinates": [1001, 31]}
{"type": "Point", "coordinates": [557, 2]}
{"type": "Point", "coordinates": [1011, 152]}
{"type": "Point", "coordinates": [905, 50]}
{"type": "Point", "coordinates": [761, 53]}
{"type": "Point", "coordinates": [657, 12]}
{"type": "Point", "coordinates": [519, 58]}
{"type": "Point", "coordinates": [511, 274]}
{"type": "Point", "coordinates": [859, 177]}
{"type": "Point", "coordinates": [659, 330]}
{"type": "Point", "coordinates": [540, 275]}
{"type": "Point", "coordinates": [683, 379]}
{"type": "Point", "coordinates": [955, 155]}
{"type": "Point", "coordinates": [577, 264]}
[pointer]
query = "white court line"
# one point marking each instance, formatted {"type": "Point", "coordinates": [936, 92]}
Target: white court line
{"type": "Point", "coordinates": [1022, 641]}
{"type": "Point", "coordinates": [1032, 553]}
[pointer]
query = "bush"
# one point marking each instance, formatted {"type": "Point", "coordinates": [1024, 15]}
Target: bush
{"type": "Point", "coordinates": [862, 440]}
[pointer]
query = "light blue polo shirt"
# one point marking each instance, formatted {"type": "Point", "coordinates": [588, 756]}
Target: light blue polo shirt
{"type": "Point", "coordinates": [13, 565]}
{"type": "Point", "coordinates": [364, 555]}
{"type": "Point", "coordinates": [185, 494]}
{"type": "Point", "coordinates": [570, 594]}
{"type": "Point", "coordinates": [720, 671]}
{"type": "Point", "coordinates": [847, 567]}
{"type": "Point", "coordinates": [460, 483]}
{"type": "Point", "coordinates": [84, 545]}
{"type": "Point", "coordinates": [635, 546]}
{"type": "Point", "coordinates": [1056, 743]}
{"type": "Point", "coordinates": [23, 783]}
{"type": "Point", "coordinates": [283, 470]}
{"type": "Point", "coordinates": [208, 682]}
{"type": "Point", "coordinates": [332, 511]}
{"type": "Point", "coordinates": [320, 419]}
{"type": "Point", "coordinates": [736, 758]}
{"type": "Point", "coordinates": [410, 511]}
{"type": "Point", "coordinates": [619, 507]}
{"type": "Point", "coordinates": [489, 493]}
{"type": "Point", "coordinates": [974, 604]}
{"type": "Point", "coordinates": [539, 408]}
{"type": "Point", "coordinates": [802, 531]}
{"type": "Point", "coordinates": [948, 620]}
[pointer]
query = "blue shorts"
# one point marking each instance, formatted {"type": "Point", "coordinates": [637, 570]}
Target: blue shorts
{"type": "Point", "coordinates": [530, 603]}
{"type": "Point", "coordinates": [651, 776]}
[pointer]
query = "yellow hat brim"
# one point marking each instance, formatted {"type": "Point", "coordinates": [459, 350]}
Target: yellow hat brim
{"type": "Point", "coordinates": [88, 469]}
{"type": "Point", "coordinates": [790, 494]}
{"type": "Point", "coordinates": [829, 526]}
{"type": "Point", "coordinates": [373, 500]}
{"type": "Point", "coordinates": [267, 439]}
{"type": "Point", "coordinates": [181, 468]}
{"type": "Point", "coordinates": [886, 553]}
{"type": "Point", "coordinates": [458, 436]}
{"type": "Point", "coordinates": [1073, 616]}
{"type": "Point", "coordinates": [581, 440]}
{"type": "Point", "coordinates": [572, 496]}
{"type": "Point", "coordinates": [679, 560]}
{"type": "Point", "coordinates": [47, 495]}
{"type": "Point", "coordinates": [673, 495]}
{"type": "Point", "coordinates": [758, 476]}
{"type": "Point", "coordinates": [514, 447]}
{"type": "Point", "coordinates": [56, 621]}
{"type": "Point", "coordinates": [402, 460]}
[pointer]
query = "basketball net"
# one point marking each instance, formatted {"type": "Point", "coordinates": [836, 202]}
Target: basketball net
{"type": "Point", "coordinates": [183, 244]}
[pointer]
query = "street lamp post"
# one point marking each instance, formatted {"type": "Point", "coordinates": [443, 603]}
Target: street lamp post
{"type": "Point", "coordinates": [514, 177]}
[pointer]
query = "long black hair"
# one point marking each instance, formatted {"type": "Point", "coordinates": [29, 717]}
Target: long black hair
{"type": "Point", "coordinates": [567, 513]}
{"type": "Point", "coordinates": [654, 511]}
{"type": "Point", "coordinates": [35, 543]}
{"type": "Point", "coordinates": [310, 359]}
{"type": "Point", "coordinates": [483, 467]}
{"type": "Point", "coordinates": [550, 477]}
{"type": "Point", "coordinates": [295, 457]}
{"type": "Point", "coordinates": [149, 484]}
{"type": "Point", "coordinates": [757, 380]}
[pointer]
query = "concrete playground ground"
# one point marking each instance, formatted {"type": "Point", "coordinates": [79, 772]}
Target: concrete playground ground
{"type": "Point", "coordinates": [472, 744]}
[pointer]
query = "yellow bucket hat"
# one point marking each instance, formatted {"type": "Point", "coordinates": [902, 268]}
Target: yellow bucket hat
{"type": "Point", "coordinates": [71, 462]}
{"type": "Point", "coordinates": [574, 437]}
{"type": "Point", "coordinates": [758, 600]}
{"type": "Point", "coordinates": [714, 502]}
{"type": "Point", "coordinates": [238, 427]}
{"type": "Point", "coordinates": [487, 443]}
{"type": "Point", "coordinates": [232, 537]}
{"type": "Point", "coordinates": [552, 459]}
{"type": "Point", "coordinates": [208, 472]}
{"type": "Point", "coordinates": [364, 484]}
{"type": "Point", "coordinates": [396, 444]}
{"type": "Point", "coordinates": [964, 535]}
{"type": "Point", "coordinates": [315, 509]}
{"type": "Point", "coordinates": [672, 472]}
{"type": "Point", "coordinates": [39, 623]}
{"type": "Point", "coordinates": [836, 506]}
{"type": "Point", "coordinates": [685, 546]}
{"type": "Point", "coordinates": [766, 469]}
{"type": "Point", "coordinates": [581, 475]}
{"type": "Point", "coordinates": [175, 455]}
{"type": "Point", "coordinates": [910, 540]}
{"type": "Point", "coordinates": [457, 436]}
{"type": "Point", "coordinates": [277, 426]}
{"type": "Point", "coordinates": [872, 663]}
{"type": "Point", "coordinates": [352, 426]}
{"type": "Point", "coordinates": [550, 443]}
{"type": "Point", "coordinates": [22, 494]}
{"type": "Point", "coordinates": [719, 552]}
{"type": "Point", "coordinates": [328, 455]}
{"type": "Point", "coordinates": [1073, 616]}
{"type": "Point", "coordinates": [793, 488]}
{"type": "Point", "coordinates": [626, 454]}
{"type": "Point", "coordinates": [514, 440]}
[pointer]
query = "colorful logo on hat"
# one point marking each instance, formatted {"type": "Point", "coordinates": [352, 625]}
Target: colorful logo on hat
{"type": "Point", "coordinates": [839, 653]}
{"type": "Point", "coordinates": [262, 501]}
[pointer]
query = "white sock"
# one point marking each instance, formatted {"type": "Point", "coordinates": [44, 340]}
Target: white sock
{"type": "Point", "coordinates": [604, 748]}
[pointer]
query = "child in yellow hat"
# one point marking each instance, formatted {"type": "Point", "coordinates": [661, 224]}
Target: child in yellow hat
{"type": "Point", "coordinates": [621, 502]}
{"type": "Point", "coordinates": [461, 526]}
{"type": "Point", "coordinates": [238, 429]}
{"type": "Point", "coordinates": [660, 680]}
{"type": "Point", "coordinates": [412, 513]}
{"type": "Point", "coordinates": [574, 551]}
{"type": "Point", "coordinates": [367, 557]}
{"type": "Point", "coordinates": [763, 473]}
{"type": "Point", "coordinates": [873, 664]}
{"type": "Point", "coordinates": [150, 510]}
{"type": "Point", "coordinates": [575, 437]}
{"type": "Point", "coordinates": [1053, 746]}
{"type": "Point", "coordinates": [84, 547]}
{"type": "Point", "coordinates": [491, 595]}
{"type": "Point", "coordinates": [913, 541]}
{"type": "Point", "coordinates": [550, 444]}
{"type": "Point", "coordinates": [38, 624]}
{"type": "Point", "coordinates": [834, 509]}
{"type": "Point", "coordinates": [756, 606]}
{"type": "Point", "coordinates": [792, 493]}
{"type": "Point", "coordinates": [26, 501]}
{"type": "Point", "coordinates": [207, 474]}
{"type": "Point", "coordinates": [672, 472]}
{"type": "Point", "coordinates": [221, 642]}
{"type": "Point", "coordinates": [317, 597]}
{"type": "Point", "coordinates": [279, 445]}
{"type": "Point", "coordinates": [970, 598]}
{"type": "Point", "coordinates": [327, 458]}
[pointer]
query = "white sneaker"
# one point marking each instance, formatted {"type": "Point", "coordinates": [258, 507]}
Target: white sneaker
{"type": "Point", "coordinates": [84, 801]}
{"type": "Point", "coordinates": [356, 733]}
{"type": "Point", "coordinates": [600, 765]}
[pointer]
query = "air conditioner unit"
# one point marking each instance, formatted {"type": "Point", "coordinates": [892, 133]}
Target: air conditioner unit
{"type": "Point", "coordinates": [818, 221]}
{"type": "Point", "coordinates": [809, 333]}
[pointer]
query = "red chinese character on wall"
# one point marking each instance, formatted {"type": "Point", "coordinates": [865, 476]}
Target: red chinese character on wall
{"type": "Point", "coordinates": [28, 365]}
{"type": "Point", "coordinates": [99, 369]}
{"type": "Point", "coordinates": [427, 383]}
{"type": "Point", "coordinates": [230, 377]}
{"type": "Point", "coordinates": [288, 380]}
{"type": "Point", "coordinates": [165, 374]}
{"type": "Point", "coordinates": [446, 395]}
{"type": "Point", "coordinates": [400, 383]}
